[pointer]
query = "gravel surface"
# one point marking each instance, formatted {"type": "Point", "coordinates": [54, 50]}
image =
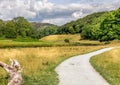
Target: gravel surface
{"type": "Point", "coordinates": [78, 70]}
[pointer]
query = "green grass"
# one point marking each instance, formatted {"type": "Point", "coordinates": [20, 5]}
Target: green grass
{"type": "Point", "coordinates": [26, 39]}
{"type": "Point", "coordinates": [48, 41]}
{"type": "Point", "coordinates": [108, 65]}
{"type": "Point", "coordinates": [12, 43]}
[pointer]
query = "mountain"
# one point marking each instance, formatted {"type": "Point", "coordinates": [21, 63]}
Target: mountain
{"type": "Point", "coordinates": [38, 25]}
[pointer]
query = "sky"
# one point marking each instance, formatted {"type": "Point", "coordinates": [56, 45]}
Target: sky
{"type": "Point", "coordinates": [56, 12]}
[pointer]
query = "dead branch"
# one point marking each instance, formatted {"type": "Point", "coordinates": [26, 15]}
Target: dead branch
{"type": "Point", "coordinates": [15, 72]}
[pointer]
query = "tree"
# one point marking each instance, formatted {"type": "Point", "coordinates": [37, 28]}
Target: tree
{"type": "Point", "coordinates": [71, 30]}
{"type": "Point", "coordinates": [86, 32]}
{"type": "Point", "coordinates": [110, 28]}
{"type": "Point", "coordinates": [2, 27]}
{"type": "Point", "coordinates": [49, 30]}
{"type": "Point", "coordinates": [23, 27]}
{"type": "Point", "coordinates": [78, 28]}
{"type": "Point", "coordinates": [10, 30]}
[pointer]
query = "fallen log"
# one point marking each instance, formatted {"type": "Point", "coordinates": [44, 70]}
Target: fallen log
{"type": "Point", "coordinates": [15, 72]}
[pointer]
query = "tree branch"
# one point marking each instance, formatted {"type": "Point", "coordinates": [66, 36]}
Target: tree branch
{"type": "Point", "coordinates": [15, 72]}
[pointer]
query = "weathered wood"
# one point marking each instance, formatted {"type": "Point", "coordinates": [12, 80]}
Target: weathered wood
{"type": "Point", "coordinates": [15, 72]}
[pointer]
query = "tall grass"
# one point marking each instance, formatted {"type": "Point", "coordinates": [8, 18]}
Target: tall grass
{"type": "Point", "coordinates": [58, 38]}
{"type": "Point", "coordinates": [108, 65]}
{"type": "Point", "coordinates": [39, 63]}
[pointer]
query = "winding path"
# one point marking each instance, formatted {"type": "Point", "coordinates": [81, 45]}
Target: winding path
{"type": "Point", "coordinates": [78, 71]}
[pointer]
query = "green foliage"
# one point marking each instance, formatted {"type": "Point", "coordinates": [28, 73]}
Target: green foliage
{"type": "Point", "coordinates": [102, 26]}
{"type": "Point", "coordinates": [26, 39]}
{"type": "Point", "coordinates": [23, 27]}
{"type": "Point", "coordinates": [2, 27]}
{"type": "Point", "coordinates": [71, 30]}
{"type": "Point", "coordinates": [110, 27]}
{"type": "Point", "coordinates": [67, 40]}
{"type": "Point", "coordinates": [10, 30]}
{"type": "Point", "coordinates": [91, 28]}
{"type": "Point", "coordinates": [44, 29]}
{"type": "Point", "coordinates": [79, 25]}
{"type": "Point", "coordinates": [19, 27]}
{"type": "Point", "coordinates": [50, 30]}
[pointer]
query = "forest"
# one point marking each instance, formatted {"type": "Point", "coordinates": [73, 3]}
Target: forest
{"type": "Point", "coordinates": [102, 26]}
{"type": "Point", "coordinates": [20, 27]}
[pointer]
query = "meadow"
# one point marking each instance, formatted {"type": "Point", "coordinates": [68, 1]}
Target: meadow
{"type": "Point", "coordinates": [48, 41]}
{"type": "Point", "coordinates": [39, 63]}
{"type": "Point", "coordinates": [40, 58]}
{"type": "Point", "coordinates": [108, 65]}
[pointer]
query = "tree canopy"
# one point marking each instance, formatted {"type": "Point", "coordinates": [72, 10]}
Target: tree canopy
{"type": "Point", "coordinates": [102, 26]}
{"type": "Point", "coordinates": [19, 27]}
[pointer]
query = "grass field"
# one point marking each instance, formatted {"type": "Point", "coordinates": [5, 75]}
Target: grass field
{"type": "Point", "coordinates": [60, 38]}
{"type": "Point", "coordinates": [40, 60]}
{"type": "Point", "coordinates": [48, 41]}
{"type": "Point", "coordinates": [108, 65]}
{"type": "Point", "coordinates": [52, 41]}
{"type": "Point", "coordinates": [74, 40]}
{"type": "Point", "coordinates": [39, 63]}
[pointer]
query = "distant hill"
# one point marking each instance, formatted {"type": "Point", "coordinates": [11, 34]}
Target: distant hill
{"type": "Point", "coordinates": [38, 25]}
{"type": "Point", "coordinates": [102, 26]}
{"type": "Point", "coordinates": [77, 26]}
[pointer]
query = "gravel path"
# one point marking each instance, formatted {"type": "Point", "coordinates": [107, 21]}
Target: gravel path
{"type": "Point", "coordinates": [78, 71]}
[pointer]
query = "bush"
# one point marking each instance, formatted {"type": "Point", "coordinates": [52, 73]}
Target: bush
{"type": "Point", "coordinates": [67, 40]}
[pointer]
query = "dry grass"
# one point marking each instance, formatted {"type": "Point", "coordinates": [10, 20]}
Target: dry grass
{"type": "Point", "coordinates": [39, 63]}
{"type": "Point", "coordinates": [108, 64]}
{"type": "Point", "coordinates": [55, 38]}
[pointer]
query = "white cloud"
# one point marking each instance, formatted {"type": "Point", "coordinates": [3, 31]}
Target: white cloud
{"type": "Point", "coordinates": [26, 8]}
{"type": "Point", "coordinates": [45, 11]}
{"type": "Point", "coordinates": [77, 14]}
{"type": "Point", "coordinates": [57, 21]}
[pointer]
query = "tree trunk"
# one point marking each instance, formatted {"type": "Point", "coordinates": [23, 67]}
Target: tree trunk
{"type": "Point", "coordinates": [15, 72]}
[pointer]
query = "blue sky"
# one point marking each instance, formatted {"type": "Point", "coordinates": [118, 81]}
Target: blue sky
{"type": "Point", "coordinates": [54, 11]}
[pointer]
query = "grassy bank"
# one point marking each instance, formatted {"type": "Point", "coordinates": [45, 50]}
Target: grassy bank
{"type": "Point", "coordinates": [12, 43]}
{"type": "Point", "coordinates": [39, 63]}
{"type": "Point", "coordinates": [48, 41]}
{"type": "Point", "coordinates": [108, 65]}
{"type": "Point", "coordinates": [51, 41]}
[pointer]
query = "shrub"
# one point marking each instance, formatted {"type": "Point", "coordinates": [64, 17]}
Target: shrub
{"type": "Point", "coordinates": [67, 40]}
